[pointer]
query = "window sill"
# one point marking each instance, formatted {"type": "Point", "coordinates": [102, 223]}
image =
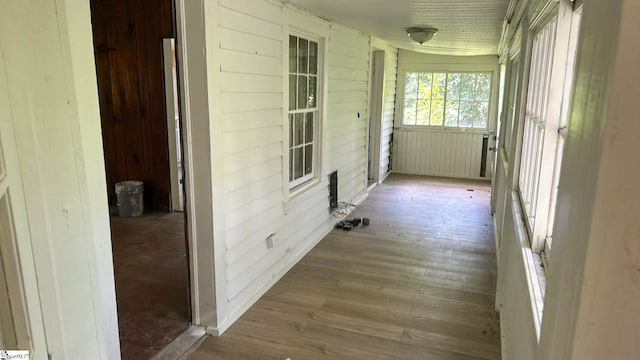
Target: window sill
{"type": "Point", "coordinates": [422, 128]}
{"type": "Point", "coordinates": [534, 271]}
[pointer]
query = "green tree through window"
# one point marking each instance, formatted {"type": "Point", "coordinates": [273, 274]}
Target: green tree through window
{"type": "Point", "coordinates": [447, 99]}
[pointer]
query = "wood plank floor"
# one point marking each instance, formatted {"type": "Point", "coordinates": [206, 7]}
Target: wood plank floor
{"type": "Point", "coordinates": [151, 275]}
{"type": "Point", "coordinates": [418, 283]}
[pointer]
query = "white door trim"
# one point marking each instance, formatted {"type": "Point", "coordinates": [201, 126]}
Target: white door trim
{"type": "Point", "coordinates": [18, 272]}
{"type": "Point", "coordinates": [376, 105]}
{"type": "Point", "coordinates": [168, 51]}
{"type": "Point", "coordinates": [198, 163]}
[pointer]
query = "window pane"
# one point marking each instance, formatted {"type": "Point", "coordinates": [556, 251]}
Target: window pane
{"type": "Point", "coordinates": [291, 130]}
{"type": "Point", "coordinates": [290, 164]}
{"type": "Point", "coordinates": [424, 86]}
{"type": "Point", "coordinates": [308, 159]}
{"type": "Point", "coordinates": [293, 53]}
{"type": "Point", "coordinates": [481, 114]}
{"type": "Point", "coordinates": [303, 56]}
{"type": "Point", "coordinates": [438, 87]}
{"type": "Point", "coordinates": [466, 114]}
{"type": "Point", "coordinates": [297, 163]}
{"type": "Point", "coordinates": [302, 92]}
{"type": "Point", "coordinates": [467, 86]}
{"type": "Point", "coordinates": [308, 128]}
{"type": "Point", "coordinates": [451, 116]}
{"type": "Point", "coordinates": [483, 87]}
{"type": "Point", "coordinates": [453, 86]}
{"type": "Point", "coordinates": [409, 112]}
{"type": "Point", "coordinates": [411, 86]}
{"type": "Point", "coordinates": [298, 130]}
{"type": "Point", "coordinates": [437, 112]}
{"type": "Point", "coordinates": [312, 91]}
{"type": "Point", "coordinates": [292, 92]}
{"type": "Point", "coordinates": [424, 112]}
{"type": "Point", "coordinates": [313, 57]}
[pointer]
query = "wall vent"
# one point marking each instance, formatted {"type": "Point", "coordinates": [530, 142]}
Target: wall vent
{"type": "Point", "coordinates": [483, 156]}
{"type": "Point", "coordinates": [333, 190]}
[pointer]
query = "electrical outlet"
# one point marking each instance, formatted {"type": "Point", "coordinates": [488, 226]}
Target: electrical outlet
{"type": "Point", "coordinates": [271, 239]}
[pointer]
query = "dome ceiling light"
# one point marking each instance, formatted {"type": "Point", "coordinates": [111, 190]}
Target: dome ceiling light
{"type": "Point", "coordinates": [421, 34]}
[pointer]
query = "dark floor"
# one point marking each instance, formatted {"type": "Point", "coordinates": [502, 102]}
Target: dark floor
{"type": "Point", "coordinates": [418, 283]}
{"type": "Point", "coordinates": [151, 276]}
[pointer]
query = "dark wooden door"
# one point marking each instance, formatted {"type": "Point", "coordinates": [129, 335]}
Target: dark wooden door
{"type": "Point", "coordinates": [128, 51]}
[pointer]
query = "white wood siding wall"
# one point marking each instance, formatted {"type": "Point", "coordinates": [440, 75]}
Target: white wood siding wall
{"type": "Point", "coordinates": [438, 153]}
{"type": "Point", "coordinates": [251, 84]}
{"type": "Point", "coordinates": [435, 152]}
{"type": "Point", "coordinates": [346, 137]}
{"type": "Point", "coordinates": [388, 108]}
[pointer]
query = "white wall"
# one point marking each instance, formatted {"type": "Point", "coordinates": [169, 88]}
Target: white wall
{"type": "Point", "coordinates": [437, 152]}
{"type": "Point", "coordinates": [48, 55]}
{"type": "Point", "coordinates": [247, 87]}
{"type": "Point", "coordinates": [590, 307]}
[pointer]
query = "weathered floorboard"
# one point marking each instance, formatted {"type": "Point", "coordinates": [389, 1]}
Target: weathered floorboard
{"type": "Point", "coordinates": [418, 283]}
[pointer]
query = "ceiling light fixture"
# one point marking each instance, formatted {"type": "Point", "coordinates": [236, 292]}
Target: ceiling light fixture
{"type": "Point", "coordinates": [421, 34]}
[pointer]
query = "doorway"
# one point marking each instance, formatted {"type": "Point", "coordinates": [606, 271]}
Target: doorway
{"type": "Point", "coordinates": [134, 43]}
{"type": "Point", "coordinates": [375, 117]}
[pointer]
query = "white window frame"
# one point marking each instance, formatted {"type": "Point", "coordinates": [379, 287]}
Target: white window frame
{"type": "Point", "coordinates": [576, 21]}
{"type": "Point", "coordinates": [539, 134]}
{"type": "Point", "coordinates": [318, 33]}
{"type": "Point", "coordinates": [453, 68]}
{"type": "Point", "coordinates": [292, 115]}
{"type": "Point", "coordinates": [303, 24]}
{"type": "Point", "coordinates": [547, 103]}
{"type": "Point", "coordinates": [491, 70]}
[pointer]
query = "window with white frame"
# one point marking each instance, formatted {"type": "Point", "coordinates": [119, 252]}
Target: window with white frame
{"type": "Point", "coordinates": [447, 99]}
{"type": "Point", "coordinates": [303, 113]}
{"type": "Point", "coordinates": [535, 122]}
{"type": "Point", "coordinates": [545, 122]}
{"type": "Point", "coordinates": [562, 125]}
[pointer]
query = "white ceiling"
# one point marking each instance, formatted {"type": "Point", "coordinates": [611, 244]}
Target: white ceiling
{"type": "Point", "coordinates": [466, 27]}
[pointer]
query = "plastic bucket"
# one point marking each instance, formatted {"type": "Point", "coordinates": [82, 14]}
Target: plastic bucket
{"type": "Point", "coordinates": [130, 198]}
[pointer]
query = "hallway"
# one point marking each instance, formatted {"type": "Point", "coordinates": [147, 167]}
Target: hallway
{"type": "Point", "coordinates": [418, 283]}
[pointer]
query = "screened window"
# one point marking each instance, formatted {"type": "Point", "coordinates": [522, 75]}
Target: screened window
{"type": "Point", "coordinates": [303, 109]}
{"type": "Point", "coordinates": [447, 99]}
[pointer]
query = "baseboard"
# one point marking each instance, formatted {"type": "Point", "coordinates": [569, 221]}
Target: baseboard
{"type": "Point", "coordinates": [384, 177]}
{"type": "Point", "coordinates": [496, 239]}
{"type": "Point", "coordinates": [503, 339]}
{"type": "Point", "coordinates": [183, 345]}
{"type": "Point", "coordinates": [373, 185]}
{"type": "Point", "coordinates": [441, 175]}
{"type": "Point", "coordinates": [233, 317]}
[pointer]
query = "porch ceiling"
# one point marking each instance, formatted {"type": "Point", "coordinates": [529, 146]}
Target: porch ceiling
{"type": "Point", "coordinates": [466, 27]}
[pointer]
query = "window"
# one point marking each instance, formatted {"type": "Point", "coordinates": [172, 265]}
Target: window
{"type": "Point", "coordinates": [545, 125]}
{"type": "Point", "coordinates": [535, 124]}
{"type": "Point", "coordinates": [303, 114]}
{"type": "Point", "coordinates": [447, 99]}
{"type": "Point", "coordinates": [562, 126]}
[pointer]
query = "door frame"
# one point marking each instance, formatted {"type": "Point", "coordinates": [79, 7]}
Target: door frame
{"type": "Point", "coordinates": [172, 94]}
{"type": "Point", "coordinates": [374, 126]}
{"type": "Point", "coordinates": [206, 261]}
